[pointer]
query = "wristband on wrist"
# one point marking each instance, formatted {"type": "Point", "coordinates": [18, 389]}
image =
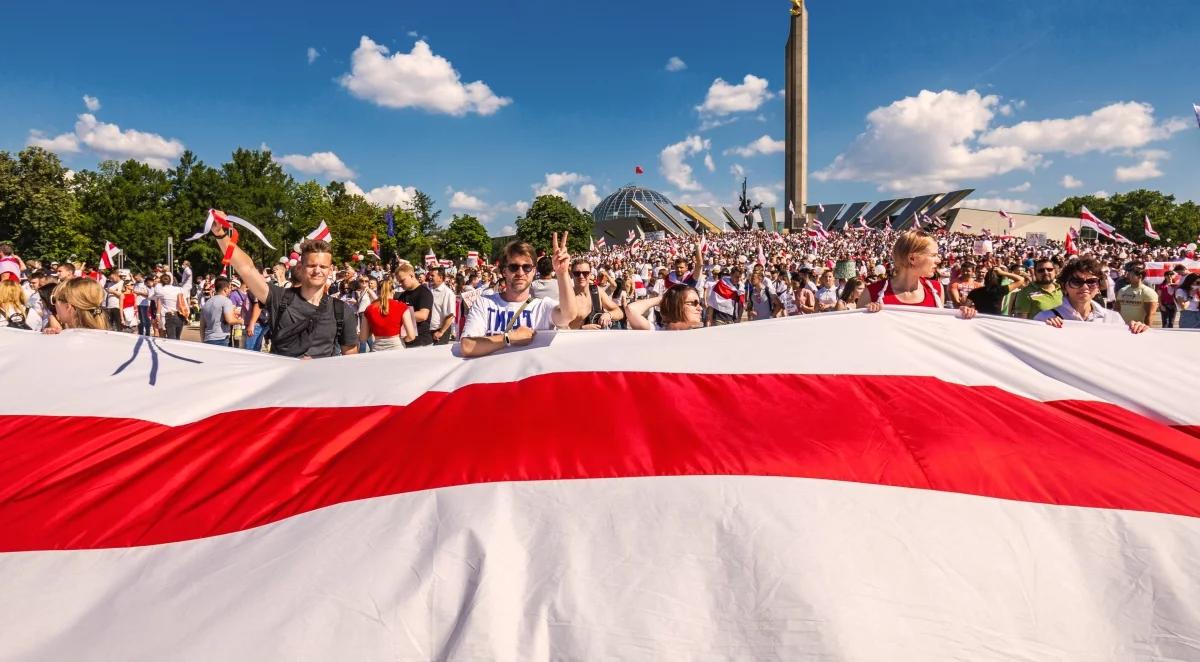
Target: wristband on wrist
{"type": "Point", "coordinates": [507, 342]}
{"type": "Point", "coordinates": [220, 236]}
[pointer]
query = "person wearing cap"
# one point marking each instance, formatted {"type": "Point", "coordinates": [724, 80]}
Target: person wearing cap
{"type": "Point", "coordinates": [1137, 301]}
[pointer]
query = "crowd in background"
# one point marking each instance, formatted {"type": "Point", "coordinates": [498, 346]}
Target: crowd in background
{"type": "Point", "coordinates": [736, 277]}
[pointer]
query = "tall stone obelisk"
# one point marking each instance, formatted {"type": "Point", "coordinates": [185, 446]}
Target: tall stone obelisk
{"type": "Point", "coordinates": [796, 102]}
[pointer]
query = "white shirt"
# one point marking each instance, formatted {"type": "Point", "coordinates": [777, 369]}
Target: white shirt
{"type": "Point", "coordinates": [491, 314]}
{"type": "Point", "coordinates": [443, 306]}
{"type": "Point", "coordinates": [1067, 312]}
{"type": "Point", "coordinates": [167, 297]}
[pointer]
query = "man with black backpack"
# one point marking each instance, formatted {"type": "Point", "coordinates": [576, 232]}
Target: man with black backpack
{"type": "Point", "coordinates": [306, 322]}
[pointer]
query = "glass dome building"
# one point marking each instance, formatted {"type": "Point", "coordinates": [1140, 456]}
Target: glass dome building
{"type": "Point", "coordinates": [618, 205]}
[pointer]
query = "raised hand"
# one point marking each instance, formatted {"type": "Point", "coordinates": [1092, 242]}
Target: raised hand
{"type": "Point", "coordinates": [561, 256]}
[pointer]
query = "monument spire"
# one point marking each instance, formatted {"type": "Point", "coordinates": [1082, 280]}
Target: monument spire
{"type": "Point", "coordinates": [796, 161]}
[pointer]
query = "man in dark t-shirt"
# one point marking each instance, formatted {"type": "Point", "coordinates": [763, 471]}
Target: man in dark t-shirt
{"type": "Point", "coordinates": [419, 298]}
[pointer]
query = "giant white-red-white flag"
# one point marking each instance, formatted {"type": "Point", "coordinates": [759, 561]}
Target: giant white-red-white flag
{"type": "Point", "coordinates": [109, 255]}
{"type": "Point", "coordinates": [999, 499]}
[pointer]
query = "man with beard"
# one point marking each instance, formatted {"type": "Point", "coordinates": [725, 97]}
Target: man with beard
{"type": "Point", "coordinates": [1042, 294]}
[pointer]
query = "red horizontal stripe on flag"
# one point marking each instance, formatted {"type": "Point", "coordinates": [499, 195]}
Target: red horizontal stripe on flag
{"type": "Point", "coordinates": [85, 482]}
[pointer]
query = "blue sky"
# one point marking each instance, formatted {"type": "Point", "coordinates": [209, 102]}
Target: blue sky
{"type": "Point", "coordinates": [1026, 101]}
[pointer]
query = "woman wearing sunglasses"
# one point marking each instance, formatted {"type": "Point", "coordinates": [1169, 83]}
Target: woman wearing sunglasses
{"type": "Point", "coordinates": [679, 308]}
{"type": "Point", "coordinates": [1081, 280]}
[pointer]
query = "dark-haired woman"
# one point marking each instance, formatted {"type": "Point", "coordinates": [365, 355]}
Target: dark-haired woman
{"type": "Point", "coordinates": [679, 308]}
{"type": "Point", "coordinates": [1081, 280]}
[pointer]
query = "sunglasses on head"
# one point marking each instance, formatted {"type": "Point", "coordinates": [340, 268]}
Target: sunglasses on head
{"type": "Point", "coordinates": [514, 268]}
{"type": "Point", "coordinates": [1080, 282]}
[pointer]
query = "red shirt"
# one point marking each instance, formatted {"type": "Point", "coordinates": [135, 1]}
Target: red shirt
{"type": "Point", "coordinates": [932, 287]}
{"type": "Point", "coordinates": [386, 326]}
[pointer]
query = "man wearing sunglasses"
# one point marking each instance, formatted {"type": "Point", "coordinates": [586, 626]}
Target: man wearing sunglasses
{"type": "Point", "coordinates": [594, 309]}
{"type": "Point", "coordinates": [513, 316]}
{"type": "Point", "coordinates": [1041, 295]}
{"type": "Point", "coordinates": [1082, 280]}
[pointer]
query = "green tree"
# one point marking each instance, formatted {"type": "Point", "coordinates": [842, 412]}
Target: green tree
{"type": "Point", "coordinates": [426, 212]}
{"type": "Point", "coordinates": [352, 222]}
{"type": "Point", "coordinates": [1175, 223]}
{"type": "Point", "coordinates": [464, 234]}
{"type": "Point", "coordinates": [550, 214]}
{"type": "Point", "coordinates": [255, 188]}
{"type": "Point", "coordinates": [194, 189]}
{"type": "Point", "coordinates": [126, 203]}
{"type": "Point", "coordinates": [38, 210]}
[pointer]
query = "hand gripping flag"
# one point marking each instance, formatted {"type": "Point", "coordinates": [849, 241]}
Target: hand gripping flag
{"type": "Point", "coordinates": [322, 233]}
{"type": "Point", "coordinates": [1149, 229]}
{"type": "Point", "coordinates": [227, 221]}
{"type": "Point", "coordinates": [109, 254]}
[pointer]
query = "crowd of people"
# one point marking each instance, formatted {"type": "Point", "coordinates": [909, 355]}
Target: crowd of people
{"type": "Point", "coordinates": [315, 309]}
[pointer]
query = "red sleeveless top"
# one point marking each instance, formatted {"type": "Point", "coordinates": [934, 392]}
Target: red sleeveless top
{"type": "Point", "coordinates": [881, 291]}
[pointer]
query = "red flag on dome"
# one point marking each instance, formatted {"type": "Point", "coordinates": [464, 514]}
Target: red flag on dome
{"type": "Point", "coordinates": [637, 170]}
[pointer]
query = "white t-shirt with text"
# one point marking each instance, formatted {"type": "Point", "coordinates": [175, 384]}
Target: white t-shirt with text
{"type": "Point", "coordinates": [491, 314]}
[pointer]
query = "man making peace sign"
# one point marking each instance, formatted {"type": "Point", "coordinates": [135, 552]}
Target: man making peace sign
{"type": "Point", "coordinates": [513, 316]}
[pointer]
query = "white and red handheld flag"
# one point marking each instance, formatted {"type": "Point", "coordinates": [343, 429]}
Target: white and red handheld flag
{"type": "Point", "coordinates": [1149, 229]}
{"type": "Point", "coordinates": [320, 234]}
{"type": "Point", "coordinates": [601, 242]}
{"type": "Point", "coordinates": [431, 259]}
{"type": "Point", "coordinates": [220, 218]}
{"type": "Point", "coordinates": [862, 222]}
{"type": "Point", "coordinates": [1092, 221]}
{"type": "Point", "coordinates": [1007, 217]}
{"type": "Point", "coordinates": [1069, 243]}
{"type": "Point", "coordinates": [472, 258]}
{"type": "Point", "coordinates": [109, 254]}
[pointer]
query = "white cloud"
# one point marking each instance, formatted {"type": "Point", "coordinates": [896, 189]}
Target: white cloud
{"type": "Point", "coordinates": [673, 160]}
{"type": "Point", "coordinates": [676, 64]}
{"type": "Point", "coordinates": [710, 123]}
{"type": "Point", "coordinates": [466, 202]}
{"type": "Point", "coordinates": [588, 197]}
{"type": "Point", "coordinates": [569, 186]}
{"type": "Point", "coordinates": [313, 54]}
{"type": "Point", "coordinates": [926, 143]}
{"type": "Point", "coordinates": [737, 170]}
{"type": "Point", "coordinates": [110, 141]}
{"type": "Point", "coordinates": [1118, 126]}
{"type": "Point", "coordinates": [507, 231]}
{"type": "Point", "coordinates": [725, 99]}
{"type": "Point", "coordinates": [413, 33]}
{"type": "Point", "coordinates": [1070, 182]}
{"type": "Point", "coordinates": [1007, 204]}
{"type": "Point", "coordinates": [1021, 188]}
{"type": "Point", "coordinates": [764, 145]}
{"type": "Point", "coordinates": [768, 195]}
{"type": "Point", "coordinates": [418, 79]}
{"type": "Point", "coordinates": [708, 163]}
{"type": "Point", "coordinates": [92, 103]}
{"type": "Point", "coordinates": [386, 196]}
{"type": "Point", "coordinates": [1146, 169]}
{"type": "Point", "coordinates": [1102, 194]}
{"type": "Point", "coordinates": [521, 207]}
{"type": "Point", "coordinates": [326, 164]}
{"type": "Point", "coordinates": [65, 143]}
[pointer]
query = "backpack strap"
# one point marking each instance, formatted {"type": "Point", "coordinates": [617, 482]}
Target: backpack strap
{"type": "Point", "coordinates": [596, 307]}
{"type": "Point", "coordinates": [339, 314]}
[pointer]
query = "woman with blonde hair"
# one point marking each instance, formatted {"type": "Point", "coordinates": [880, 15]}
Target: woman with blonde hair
{"type": "Point", "coordinates": [13, 310]}
{"type": "Point", "coordinates": [914, 279]}
{"type": "Point", "coordinates": [79, 304]}
{"type": "Point", "coordinates": [385, 318]}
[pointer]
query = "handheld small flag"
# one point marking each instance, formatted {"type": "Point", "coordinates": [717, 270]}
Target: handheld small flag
{"type": "Point", "coordinates": [821, 207]}
{"type": "Point", "coordinates": [109, 253]}
{"type": "Point", "coordinates": [1005, 216]}
{"type": "Point", "coordinates": [862, 222]}
{"type": "Point", "coordinates": [320, 234]}
{"type": "Point", "coordinates": [601, 243]}
{"type": "Point", "coordinates": [1149, 229]}
{"type": "Point", "coordinates": [431, 259]}
{"type": "Point", "coordinates": [1069, 242]}
{"type": "Point", "coordinates": [472, 258]}
{"type": "Point", "coordinates": [224, 220]}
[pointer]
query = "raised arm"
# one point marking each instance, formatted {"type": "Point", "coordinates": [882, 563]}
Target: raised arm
{"type": "Point", "coordinates": [564, 312]}
{"type": "Point", "coordinates": [243, 265]}
{"type": "Point", "coordinates": [635, 313]}
{"type": "Point", "coordinates": [698, 260]}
